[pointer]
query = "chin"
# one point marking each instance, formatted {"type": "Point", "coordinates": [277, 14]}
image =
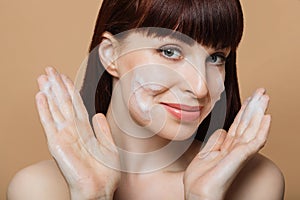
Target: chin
{"type": "Point", "coordinates": [178, 131]}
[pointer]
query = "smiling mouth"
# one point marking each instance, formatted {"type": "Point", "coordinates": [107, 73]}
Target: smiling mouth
{"type": "Point", "coordinates": [183, 112]}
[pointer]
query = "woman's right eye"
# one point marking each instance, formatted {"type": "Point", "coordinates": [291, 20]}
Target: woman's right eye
{"type": "Point", "coordinates": [172, 53]}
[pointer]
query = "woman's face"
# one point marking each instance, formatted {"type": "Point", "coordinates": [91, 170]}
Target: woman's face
{"type": "Point", "coordinates": [167, 86]}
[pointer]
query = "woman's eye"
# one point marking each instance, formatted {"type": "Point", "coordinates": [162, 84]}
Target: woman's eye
{"type": "Point", "coordinates": [171, 53]}
{"type": "Point", "coordinates": [216, 59]}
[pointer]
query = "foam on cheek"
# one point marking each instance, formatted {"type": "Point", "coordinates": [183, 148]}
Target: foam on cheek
{"type": "Point", "coordinates": [149, 86]}
{"type": "Point", "coordinates": [143, 102]}
{"type": "Point", "coordinates": [143, 92]}
{"type": "Point", "coordinates": [215, 84]}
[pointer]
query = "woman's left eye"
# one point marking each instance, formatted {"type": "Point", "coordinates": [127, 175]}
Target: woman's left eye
{"type": "Point", "coordinates": [171, 53]}
{"type": "Point", "coordinates": [216, 59]}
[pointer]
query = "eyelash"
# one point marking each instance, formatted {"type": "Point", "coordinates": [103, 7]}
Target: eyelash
{"type": "Point", "coordinates": [174, 50]}
{"type": "Point", "coordinates": [220, 56]}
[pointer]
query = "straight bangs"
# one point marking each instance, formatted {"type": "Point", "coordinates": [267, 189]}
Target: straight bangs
{"type": "Point", "coordinates": [213, 23]}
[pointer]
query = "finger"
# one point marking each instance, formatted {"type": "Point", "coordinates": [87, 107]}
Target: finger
{"type": "Point", "coordinates": [61, 93]}
{"type": "Point", "coordinates": [264, 130]}
{"type": "Point", "coordinates": [68, 83]}
{"type": "Point", "coordinates": [46, 87]}
{"type": "Point", "coordinates": [232, 130]}
{"type": "Point", "coordinates": [43, 83]}
{"type": "Point", "coordinates": [214, 143]}
{"type": "Point", "coordinates": [238, 156]}
{"type": "Point", "coordinates": [101, 148]}
{"type": "Point", "coordinates": [78, 105]}
{"type": "Point", "coordinates": [80, 117]}
{"type": "Point", "coordinates": [249, 111]}
{"type": "Point", "coordinates": [243, 152]}
{"type": "Point", "coordinates": [237, 119]}
{"type": "Point", "coordinates": [83, 128]}
{"type": "Point", "coordinates": [45, 115]}
{"type": "Point", "coordinates": [255, 122]}
{"type": "Point", "coordinates": [259, 141]}
{"type": "Point", "coordinates": [102, 131]}
{"type": "Point", "coordinates": [240, 122]}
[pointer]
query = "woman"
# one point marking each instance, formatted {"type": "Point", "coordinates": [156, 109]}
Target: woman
{"type": "Point", "coordinates": [166, 65]}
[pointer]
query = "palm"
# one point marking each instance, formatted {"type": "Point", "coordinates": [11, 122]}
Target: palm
{"type": "Point", "coordinates": [87, 171]}
{"type": "Point", "coordinates": [212, 171]}
{"type": "Point", "coordinates": [80, 154]}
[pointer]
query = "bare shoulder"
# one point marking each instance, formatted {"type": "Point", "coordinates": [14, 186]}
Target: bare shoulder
{"type": "Point", "coordinates": [42, 180]}
{"type": "Point", "coordinates": [260, 179]}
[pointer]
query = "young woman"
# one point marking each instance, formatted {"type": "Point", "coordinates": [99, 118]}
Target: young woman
{"type": "Point", "coordinates": [156, 73]}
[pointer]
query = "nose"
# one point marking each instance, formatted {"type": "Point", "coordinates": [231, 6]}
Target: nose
{"type": "Point", "coordinates": [195, 83]}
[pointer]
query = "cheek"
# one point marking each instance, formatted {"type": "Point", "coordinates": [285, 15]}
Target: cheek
{"type": "Point", "coordinates": [141, 91]}
{"type": "Point", "coordinates": [139, 106]}
{"type": "Point", "coordinates": [141, 80]}
{"type": "Point", "coordinates": [131, 60]}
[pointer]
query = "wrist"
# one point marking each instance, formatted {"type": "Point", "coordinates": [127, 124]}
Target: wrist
{"type": "Point", "coordinates": [203, 192]}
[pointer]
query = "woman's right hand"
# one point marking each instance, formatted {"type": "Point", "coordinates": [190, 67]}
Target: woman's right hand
{"type": "Point", "coordinates": [63, 114]}
{"type": "Point", "coordinates": [210, 174]}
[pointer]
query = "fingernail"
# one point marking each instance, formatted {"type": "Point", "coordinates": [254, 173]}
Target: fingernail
{"type": "Point", "coordinates": [258, 93]}
{"type": "Point", "coordinates": [261, 90]}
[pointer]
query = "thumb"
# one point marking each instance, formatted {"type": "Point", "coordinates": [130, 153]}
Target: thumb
{"type": "Point", "coordinates": [209, 155]}
{"type": "Point", "coordinates": [102, 130]}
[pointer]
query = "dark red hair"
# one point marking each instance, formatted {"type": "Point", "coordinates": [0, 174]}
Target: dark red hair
{"type": "Point", "coordinates": [213, 23]}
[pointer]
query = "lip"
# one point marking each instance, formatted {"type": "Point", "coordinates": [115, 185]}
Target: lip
{"type": "Point", "coordinates": [183, 112]}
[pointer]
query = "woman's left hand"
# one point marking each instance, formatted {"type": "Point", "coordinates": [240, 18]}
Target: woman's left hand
{"type": "Point", "coordinates": [212, 171]}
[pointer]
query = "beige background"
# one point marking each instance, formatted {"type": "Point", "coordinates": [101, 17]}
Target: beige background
{"type": "Point", "coordinates": [38, 33]}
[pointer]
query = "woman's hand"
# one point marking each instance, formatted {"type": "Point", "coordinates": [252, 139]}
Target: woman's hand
{"type": "Point", "coordinates": [212, 171]}
{"type": "Point", "coordinates": [63, 116]}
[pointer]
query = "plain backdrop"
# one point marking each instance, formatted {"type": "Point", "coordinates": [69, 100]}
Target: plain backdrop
{"type": "Point", "coordinates": [39, 33]}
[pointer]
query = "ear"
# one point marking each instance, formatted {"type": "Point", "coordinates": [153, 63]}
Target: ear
{"type": "Point", "coordinates": [107, 53]}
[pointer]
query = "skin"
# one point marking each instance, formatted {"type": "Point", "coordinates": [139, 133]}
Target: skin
{"type": "Point", "coordinates": [185, 77]}
{"type": "Point", "coordinates": [178, 79]}
{"type": "Point", "coordinates": [228, 167]}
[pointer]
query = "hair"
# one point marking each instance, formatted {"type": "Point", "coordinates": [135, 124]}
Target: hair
{"type": "Point", "coordinates": [213, 23]}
